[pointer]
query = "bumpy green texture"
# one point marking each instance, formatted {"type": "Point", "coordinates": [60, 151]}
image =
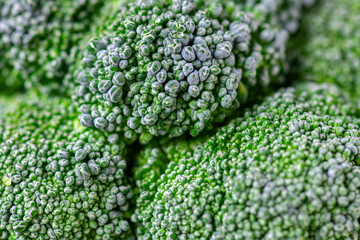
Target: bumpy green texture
{"type": "Point", "coordinates": [7, 103]}
{"type": "Point", "coordinates": [59, 180]}
{"type": "Point", "coordinates": [168, 67]}
{"type": "Point", "coordinates": [105, 15]}
{"type": "Point", "coordinates": [152, 162]}
{"type": "Point", "coordinates": [38, 40]}
{"type": "Point", "coordinates": [288, 169]}
{"type": "Point", "coordinates": [331, 52]}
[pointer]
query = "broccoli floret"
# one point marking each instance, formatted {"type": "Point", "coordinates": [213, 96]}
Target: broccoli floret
{"type": "Point", "coordinates": [151, 163]}
{"type": "Point", "coordinates": [38, 40]}
{"type": "Point", "coordinates": [305, 199]}
{"type": "Point", "coordinates": [287, 169]}
{"type": "Point", "coordinates": [330, 52]}
{"type": "Point", "coordinates": [58, 179]}
{"type": "Point", "coordinates": [7, 103]}
{"type": "Point", "coordinates": [168, 67]}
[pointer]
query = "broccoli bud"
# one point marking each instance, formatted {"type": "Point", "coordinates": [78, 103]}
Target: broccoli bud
{"type": "Point", "coordinates": [287, 169]}
{"type": "Point", "coordinates": [331, 49]}
{"type": "Point", "coordinates": [39, 41]}
{"type": "Point", "coordinates": [59, 180]}
{"type": "Point", "coordinates": [170, 67]}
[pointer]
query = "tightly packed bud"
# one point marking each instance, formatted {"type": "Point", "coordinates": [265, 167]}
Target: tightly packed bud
{"type": "Point", "coordinates": [59, 180]}
{"type": "Point", "coordinates": [331, 49]}
{"type": "Point", "coordinates": [38, 40]}
{"type": "Point", "coordinates": [288, 169]}
{"type": "Point", "coordinates": [168, 67]}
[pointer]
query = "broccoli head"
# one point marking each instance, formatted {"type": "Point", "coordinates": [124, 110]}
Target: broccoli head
{"type": "Point", "coordinates": [59, 180]}
{"type": "Point", "coordinates": [38, 40]}
{"type": "Point", "coordinates": [152, 162]}
{"type": "Point", "coordinates": [168, 67]}
{"type": "Point", "coordinates": [331, 52]}
{"type": "Point", "coordinates": [287, 169]}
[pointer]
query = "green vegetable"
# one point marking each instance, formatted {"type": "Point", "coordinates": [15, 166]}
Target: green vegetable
{"type": "Point", "coordinates": [137, 150]}
{"type": "Point", "coordinates": [168, 67]}
{"type": "Point", "coordinates": [330, 51]}
{"type": "Point", "coordinates": [38, 41]}
{"type": "Point", "coordinates": [59, 180]}
{"type": "Point", "coordinates": [287, 169]}
{"type": "Point", "coordinates": [7, 103]}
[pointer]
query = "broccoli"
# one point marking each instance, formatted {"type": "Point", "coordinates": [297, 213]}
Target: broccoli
{"type": "Point", "coordinates": [169, 67]}
{"type": "Point", "coordinates": [58, 179]}
{"type": "Point", "coordinates": [38, 40]}
{"type": "Point", "coordinates": [287, 169]}
{"type": "Point", "coordinates": [8, 102]}
{"type": "Point", "coordinates": [150, 138]}
{"type": "Point", "coordinates": [105, 15]}
{"type": "Point", "coordinates": [331, 52]}
{"type": "Point", "coordinates": [152, 161]}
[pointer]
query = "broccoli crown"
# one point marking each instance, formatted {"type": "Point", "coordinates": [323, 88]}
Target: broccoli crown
{"type": "Point", "coordinates": [152, 162]}
{"type": "Point", "coordinates": [331, 50]}
{"type": "Point", "coordinates": [287, 169]}
{"type": "Point", "coordinates": [7, 103]}
{"type": "Point", "coordinates": [37, 39]}
{"type": "Point", "coordinates": [305, 199]}
{"type": "Point", "coordinates": [167, 67]}
{"type": "Point", "coordinates": [59, 180]}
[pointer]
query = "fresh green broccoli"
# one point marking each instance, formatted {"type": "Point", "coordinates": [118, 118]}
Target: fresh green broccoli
{"type": "Point", "coordinates": [58, 179]}
{"type": "Point", "coordinates": [7, 103]}
{"type": "Point", "coordinates": [38, 40]}
{"type": "Point", "coordinates": [152, 162]}
{"type": "Point", "coordinates": [105, 15]}
{"type": "Point", "coordinates": [168, 67]}
{"type": "Point", "coordinates": [287, 169]}
{"type": "Point", "coordinates": [331, 51]}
